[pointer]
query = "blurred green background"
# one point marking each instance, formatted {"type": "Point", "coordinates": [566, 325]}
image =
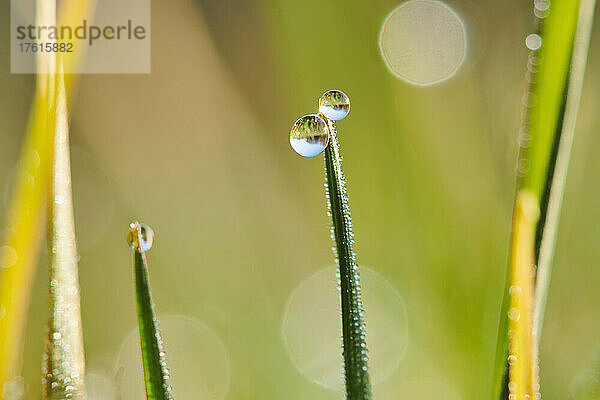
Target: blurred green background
{"type": "Point", "coordinates": [199, 150]}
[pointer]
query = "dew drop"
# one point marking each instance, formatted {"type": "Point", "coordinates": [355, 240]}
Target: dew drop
{"type": "Point", "coordinates": [309, 135]}
{"type": "Point", "coordinates": [145, 233]}
{"type": "Point", "coordinates": [334, 104]}
{"type": "Point", "coordinates": [533, 41]}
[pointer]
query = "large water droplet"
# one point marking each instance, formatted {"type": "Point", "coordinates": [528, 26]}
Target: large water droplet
{"type": "Point", "coordinates": [334, 104]}
{"type": "Point", "coordinates": [144, 232]}
{"type": "Point", "coordinates": [309, 135]}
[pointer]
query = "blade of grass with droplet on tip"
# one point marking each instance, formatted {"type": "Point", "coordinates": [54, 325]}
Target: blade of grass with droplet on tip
{"type": "Point", "coordinates": [356, 369]}
{"type": "Point", "coordinates": [156, 374]}
{"type": "Point", "coordinates": [64, 361]}
{"type": "Point", "coordinates": [555, 77]}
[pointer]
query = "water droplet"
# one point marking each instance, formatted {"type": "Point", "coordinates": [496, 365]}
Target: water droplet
{"type": "Point", "coordinates": [309, 135]}
{"type": "Point", "coordinates": [144, 232]}
{"type": "Point", "coordinates": [514, 314]}
{"type": "Point", "coordinates": [533, 41]}
{"type": "Point", "coordinates": [516, 290]}
{"type": "Point", "coordinates": [334, 104]}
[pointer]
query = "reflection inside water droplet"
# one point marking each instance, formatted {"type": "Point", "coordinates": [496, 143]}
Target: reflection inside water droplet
{"type": "Point", "coordinates": [311, 327]}
{"type": "Point", "coordinates": [145, 235]}
{"type": "Point", "coordinates": [309, 135]}
{"type": "Point", "coordinates": [334, 104]}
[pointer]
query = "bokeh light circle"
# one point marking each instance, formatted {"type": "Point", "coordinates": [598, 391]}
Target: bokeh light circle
{"type": "Point", "coordinates": [423, 42]}
{"type": "Point", "coordinates": [418, 390]}
{"type": "Point", "coordinates": [100, 386]}
{"type": "Point", "coordinates": [197, 359]}
{"type": "Point", "coordinates": [311, 327]}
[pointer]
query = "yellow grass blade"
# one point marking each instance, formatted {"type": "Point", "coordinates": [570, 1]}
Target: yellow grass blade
{"type": "Point", "coordinates": [522, 372]}
{"type": "Point", "coordinates": [24, 226]}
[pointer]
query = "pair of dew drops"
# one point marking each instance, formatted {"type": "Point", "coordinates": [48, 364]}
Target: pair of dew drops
{"type": "Point", "coordinates": [309, 137]}
{"type": "Point", "coordinates": [310, 134]}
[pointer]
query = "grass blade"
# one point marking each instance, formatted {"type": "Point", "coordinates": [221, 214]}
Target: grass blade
{"type": "Point", "coordinates": [21, 242]}
{"type": "Point", "coordinates": [64, 363]}
{"type": "Point", "coordinates": [24, 231]}
{"type": "Point", "coordinates": [353, 327]}
{"type": "Point", "coordinates": [521, 372]}
{"type": "Point", "coordinates": [559, 176]}
{"type": "Point", "coordinates": [156, 373]}
{"type": "Point", "coordinates": [555, 76]}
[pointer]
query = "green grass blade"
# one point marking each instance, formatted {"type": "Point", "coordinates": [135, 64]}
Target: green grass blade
{"type": "Point", "coordinates": [156, 373]}
{"type": "Point", "coordinates": [353, 327]}
{"type": "Point", "coordinates": [556, 74]}
{"type": "Point", "coordinates": [64, 363]}
{"type": "Point", "coordinates": [559, 176]}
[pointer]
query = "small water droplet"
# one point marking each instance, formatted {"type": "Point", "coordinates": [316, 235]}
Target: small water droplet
{"type": "Point", "coordinates": [144, 232]}
{"type": "Point", "coordinates": [334, 104]}
{"type": "Point", "coordinates": [309, 135]}
{"type": "Point", "coordinates": [516, 290]}
{"type": "Point", "coordinates": [514, 314]}
{"type": "Point", "coordinates": [533, 41]}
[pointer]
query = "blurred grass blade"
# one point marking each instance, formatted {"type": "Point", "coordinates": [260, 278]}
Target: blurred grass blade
{"type": "Point", "coordinates": [21, 242]}
{"type": "Point", "coordinates": [156, 373]}
{"type": "Point", "coordinates": [64, 364]}
{"type": "Point", "coordinates": [587, 383]}
{"type": "Point", "coordinates": [559, 176]}
{"type": "Point", "coordinates": [358, 386]}
{"type": "Point", "coordinates": [555, 74]}
{"type": "Point", "coordinates": [19, 250]}
{"type": "Point", "coordinates": [522, 374]}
